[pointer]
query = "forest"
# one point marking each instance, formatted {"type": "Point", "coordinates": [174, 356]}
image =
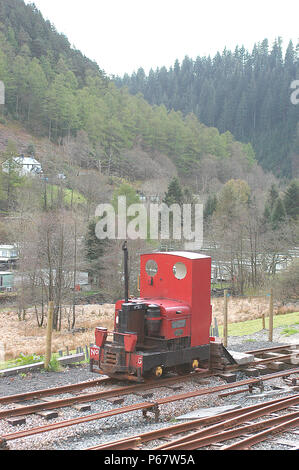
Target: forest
{"type": "Point", "coordinates": [56, 92]}
{"type": "Point", "coordinates": [244, 92]}
{"type": "Point", "coordinates": [166, 136]}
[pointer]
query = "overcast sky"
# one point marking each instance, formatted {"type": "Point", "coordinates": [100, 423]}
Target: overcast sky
{"type": "Point", "coordinates": [123, 35]}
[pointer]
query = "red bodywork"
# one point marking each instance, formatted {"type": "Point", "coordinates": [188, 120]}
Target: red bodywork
{"type": "Point", "coordinates": [185, 308]}
{"type": "Point", "coordinates": [193, 292]}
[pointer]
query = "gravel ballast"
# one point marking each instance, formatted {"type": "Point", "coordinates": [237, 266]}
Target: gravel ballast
{"type": "Point", "coordinates": [124, 425]}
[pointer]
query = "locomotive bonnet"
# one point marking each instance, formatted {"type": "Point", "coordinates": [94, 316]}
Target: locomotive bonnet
{"type": "Point", "coordinates": [167, 327]}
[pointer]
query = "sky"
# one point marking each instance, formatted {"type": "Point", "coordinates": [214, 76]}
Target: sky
{"type": "Point", "coordinates": [123, 35]}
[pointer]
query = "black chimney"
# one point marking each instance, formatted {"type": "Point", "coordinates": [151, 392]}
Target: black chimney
{"type": "Point", "coordinates": [125, 250]}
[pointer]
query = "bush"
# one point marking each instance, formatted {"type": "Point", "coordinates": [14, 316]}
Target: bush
{"type": "Point", "coordinates": [286, 284]}
{"type": "Point", "coordinates": [54, 365]}
{"type": "Point", "coordinates": [23, 360]}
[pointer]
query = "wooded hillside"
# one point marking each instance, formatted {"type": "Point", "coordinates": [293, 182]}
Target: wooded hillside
{"type": "Point", "coordinates": [246, 93]}
{"type": "Point", "coordinates": [56, 92]}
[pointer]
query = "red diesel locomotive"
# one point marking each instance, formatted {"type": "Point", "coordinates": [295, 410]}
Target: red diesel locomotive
{"type": "Point", "coordinates": [167, 328]}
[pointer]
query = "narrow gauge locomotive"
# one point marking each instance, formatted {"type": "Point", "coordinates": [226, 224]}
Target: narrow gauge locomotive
{"type": "Point", "coordinates": [167, 328]}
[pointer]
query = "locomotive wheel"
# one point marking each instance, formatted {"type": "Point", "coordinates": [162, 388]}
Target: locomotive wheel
{"type": "Point", "coordinates": [158, 372]}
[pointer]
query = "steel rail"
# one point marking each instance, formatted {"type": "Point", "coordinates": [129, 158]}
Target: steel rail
{"type": "Point", "coordinates": [79, 420]}
{"type": "Point", "coordinates": [250, 441]}
{"type": "Point", "coordinates": [219, 388]}
{"type": "Point", "coordinates": [183, 427]}
{"type": "Point", "coordinates": [234, 392]}
{"type": "Point", "coordinates": [75, 421]}
{"type": "Point", "coordinates": [274, 348]}
{"type": "Point", "coordinates": [80, 386]}
{"type": "Point", "coordinates": [146, 406]}
{"type": "Point", "coordinates": [93, 396]}
{"type": "Point", "coordinates": [53, 391]}
{"type": "Point", "coordinates": [121, 391]}
{"type": "Point", "coordinates": [274, 359]}
{"type": "Point", "coordinates": [194, 444]}
{"type": "Point", "coordinates": [216, 428]}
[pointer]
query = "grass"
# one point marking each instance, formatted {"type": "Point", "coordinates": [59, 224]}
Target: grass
{"type": "Point", "coordinates": [68, 196]}
{"type": "Point", "coordinates": [54, 365]}
{"type": "Point", "coordinates": [289, 331]}
{"type": "Point", "coordinates": [22, 360]}
{"type": "Point", "coordinates": [253, 326]}
{"type": "Point", "coordinates": [89, 293]}
{"type": "Point", "coordinates": [218, 285]}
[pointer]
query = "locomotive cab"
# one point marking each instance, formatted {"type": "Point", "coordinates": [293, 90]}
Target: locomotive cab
{"type": "Point", "coordinates": [167, 328]}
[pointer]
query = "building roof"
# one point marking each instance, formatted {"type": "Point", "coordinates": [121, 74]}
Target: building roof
{"type": "Point", "coordinates": [183, 254]}
{"type": "Point", "coordinates": [26, 161]}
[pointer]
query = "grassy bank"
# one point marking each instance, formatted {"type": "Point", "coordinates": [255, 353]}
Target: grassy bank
{"type": "Point", "coordinates": [253, 326]}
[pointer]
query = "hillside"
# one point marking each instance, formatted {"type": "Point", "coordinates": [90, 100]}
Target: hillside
{"type": "Point", "coordinates": [246, 93]}
{"type": "Point", "coordinates": [95, 142]}
{"type": "Point", "coordinates": [55, 92]}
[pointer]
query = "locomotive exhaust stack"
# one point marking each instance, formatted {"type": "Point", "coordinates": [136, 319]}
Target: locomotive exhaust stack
{"type": "Point", "coordinates": [167, 328]}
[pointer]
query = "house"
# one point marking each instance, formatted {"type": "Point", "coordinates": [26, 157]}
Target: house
{"type": "Point", "coordinates": [6, 281]}
{"type": "Point", "coordinates": [148, 199]}
{"type": "Point", "coordinates": [8, 255]}
{"type": "Point", "coordinates": [24, 166]}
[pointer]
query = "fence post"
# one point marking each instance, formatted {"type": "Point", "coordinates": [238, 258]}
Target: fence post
{"type": "Point", "coordinates": [49, 335]}
{"type": "Point", "coordinates": [271, 316]}
{"type": "Point", "coordinates": [225, 319]}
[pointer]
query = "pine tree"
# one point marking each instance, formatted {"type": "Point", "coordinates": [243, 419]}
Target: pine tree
{"type": "Point", "coordinates": [291, 200]}
{"type": "Point", "coordinates": [210, 206]}
{"type": "Point", "coordinates": [266, 215]}
{"type": "Point", "coordinates": [11, 178]}
{"type": "Point", "coordinates": [174, 193]}
{"type": "Point", "coordinates": [242, 92]}
{"type": "Point", "coordinates": [94, 251]}
{"type": "Point", "coordinates": [278, 215]}
{"type": "Point", "coordinates": [272, 197]}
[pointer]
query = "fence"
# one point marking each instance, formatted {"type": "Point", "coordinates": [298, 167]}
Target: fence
{"type": "Point", "coordinates": [2, 352]}
{"type": "Point", "coordinates": [226, 295]}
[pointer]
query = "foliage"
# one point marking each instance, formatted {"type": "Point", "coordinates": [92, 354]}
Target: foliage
{"type": "Point", "coordinates": [54, 365]}
{"type": "Point", "coordinates": [235, 194]}
{"type": "Point", "coordinates": [245, 93]}
{"type": "Point", "coordinates": [210, 206]}
{"type": "Point", "coordinates": [174, 193]}
{"type": "Point", "coordinates": [94, 252]}
{"type": "Point", "coordinates": [10, 180]}
{"type": "Point", "coordinates": [125, 189]}
{"type": "Point", "coordinates": [289, 331]}
{"type": "Point", "coordinates": [287, 282]}
{"type": "Point", "coordinates": [291, 200]}
{"type": "Point", "coordinates": [278, 215]}
{"type": "Point", "coordinates": [69, 197]}
{"type": "Point", "coordinates": [56, 92]}
{"type": "Point", "coordinates": [24, 360]}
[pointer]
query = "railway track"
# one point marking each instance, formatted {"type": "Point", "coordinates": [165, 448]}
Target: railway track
{"type": "Point", "coordinates": [145, 407]}
{"type": "Point", "coordinates": [53, 391]}
{"type": "Point", "coordinates": [201, 434]}
{"type": "Point", "coordinates": [88, 397]}
{"type": "Point", "coordinates": [120, 391]}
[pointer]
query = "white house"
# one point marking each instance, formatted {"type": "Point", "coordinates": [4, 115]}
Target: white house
{"type": "Point", "coordinates": [24, 166]}
{"type": "Point", "coordinates": [9, 256]}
